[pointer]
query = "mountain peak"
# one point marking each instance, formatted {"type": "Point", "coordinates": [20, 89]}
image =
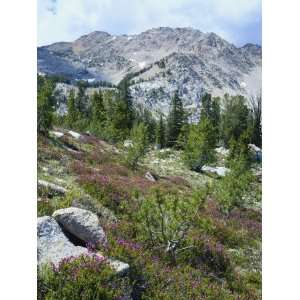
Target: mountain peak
{"type": "Point", "coordinates": [160, 60]}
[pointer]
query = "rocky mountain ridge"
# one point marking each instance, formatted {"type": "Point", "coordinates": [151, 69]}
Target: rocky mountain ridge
{"type": "Point", "coordinates": [161, 60]}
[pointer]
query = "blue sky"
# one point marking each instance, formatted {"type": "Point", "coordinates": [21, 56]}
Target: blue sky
{"type": "Point", "coordinates": [238, 21]}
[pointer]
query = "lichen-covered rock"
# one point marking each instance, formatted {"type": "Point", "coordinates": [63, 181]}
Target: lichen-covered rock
{"type": "Point", "coordinates": [105, 215]}
{"type": "Point", "coordinates": [81, 223]}
{"type": "Point", "coordinates": [120, 267]}
{"type": "Point", "coordinates": [52, 244]}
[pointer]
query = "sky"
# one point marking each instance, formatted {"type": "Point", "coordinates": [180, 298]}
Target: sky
{"type": "Point", "coordinates": [237, 21]}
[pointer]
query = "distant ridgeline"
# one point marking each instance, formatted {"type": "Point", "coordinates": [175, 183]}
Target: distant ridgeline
{"type": "Point", "coordinates": [158, 62]}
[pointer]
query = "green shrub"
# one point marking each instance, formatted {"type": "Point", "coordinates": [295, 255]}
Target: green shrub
{"type": "Point", "coordinates": [199, 149]}
{"type": "Point", "coordinates": [232, 189]}
{"type": "Point", "coordinates": [82, 278]}
{"type": "Point", "coordinates": [139, 145]}
{"type": "Point", "coordinates": [164, 220]}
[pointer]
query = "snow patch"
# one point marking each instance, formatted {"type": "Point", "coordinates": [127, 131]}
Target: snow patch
{"type": "Point", "coordinates": [142, 64]}
{"type": "Point", "coordinates": [243, 84]}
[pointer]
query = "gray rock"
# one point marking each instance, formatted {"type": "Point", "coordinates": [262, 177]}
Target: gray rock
{"type": "Point", "coordinates": [54, 188]}
{"type": "Point", "coordinates": [105, 215]}
{"type": "Point", "coordinates": [118, 266]}
{"type": "Point", "coordinates": [256, 152]}
{"type": "Point", "coordinates": [81, 223]}
{"type": "Point", "coordinates": [220, 171]}
{"type": "Point", "coordinates": [52, 244]}
{"type": "Point", "coordinates": [57, 133]}
{"type": "Point", "coordinates": [150, 177]}
{"type": "Point", "coordinates": [74, 134]}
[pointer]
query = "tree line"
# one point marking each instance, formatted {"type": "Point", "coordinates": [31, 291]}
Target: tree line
{"type": "Point", "coordinates": [231, 121]}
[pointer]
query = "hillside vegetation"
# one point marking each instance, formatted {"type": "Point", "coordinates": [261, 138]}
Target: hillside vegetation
{"type": "Point", "coordinates": [179, 203]}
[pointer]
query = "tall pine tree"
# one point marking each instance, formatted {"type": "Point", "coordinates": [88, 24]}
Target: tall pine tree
{"type": "Point", "coordinates": [235, 118]}
{"type": "Point", "coordinates": [175, 120]}
{"type": "Point", "coordinates": [45, 105]}
{"type": "Point", "coordinates": [161, 133]}
{"type": "Point", "coordinates": [82, 100]}
{"type": "Point", "coordinates": [125, 96]}
{"type": "Point", "coordinates": [72, 115]}
{"type": "Point", "coordinates": [256, 112]}
{"type": "Point", "coordinates": [199, 149]}
{"type": "Point", "coordinates": [98, 115]}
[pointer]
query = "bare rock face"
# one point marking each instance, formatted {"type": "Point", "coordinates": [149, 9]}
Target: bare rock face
{"type": "Point", "coordinates": [81, 223]}
{"type": "Point", "coordinates": [53, 245]}
{"type": "Point", "coordinates": [161, 60]}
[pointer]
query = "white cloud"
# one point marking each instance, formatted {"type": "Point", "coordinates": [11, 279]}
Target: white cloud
{"type": "Point", "coordinates": [66, 20]}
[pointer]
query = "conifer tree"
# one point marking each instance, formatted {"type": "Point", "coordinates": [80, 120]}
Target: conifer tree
{"type": "Point", "coordinates": [235, 118]}
{"type": "Point", "coordinates": [150, 122]}
{"type": "Point", "coordinates": [199, 149]}
{"type": "Point", "coordinates": [175, 120]}
{"type": "Point", "coordinates": [81, 100]}
{"type": "Point", "coordinates": [206, 106]}
{"type": "Point", "coordinates": [256, 112]}
{"type": "Point", "coordinates": [45, 105]}
{"type": "Point", "coordinates": [216, 112]}
{"type": "Point", "coordinates": [72, 115]}
{"type": "Point", "coordinates": [161, 133]}
{"type": "Point", "coordinates": [125, 96]}
{"type": "Point", "coordinates": [210, 108]}
{"type": "Point", "coordinates": [98, 116]}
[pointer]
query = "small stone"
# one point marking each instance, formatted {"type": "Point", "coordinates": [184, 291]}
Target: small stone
{"type": "Point", "coordinates": [74, 134]}
{"type": "Point", "coordinates": [57, 134]}
{"type": "Point", "coordinates": [150, 177]}
{"type": "Point", "coordinates": [120, 267]}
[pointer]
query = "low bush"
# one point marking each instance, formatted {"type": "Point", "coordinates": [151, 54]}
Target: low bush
{"type": "Point", "coordinates": [232, 189]}
{"type": "Point", "coordinates": [139, 145]}
{"type": "Point", "coordinates": [82, 278]}
{"type": "Point", "coordinates": [164, 221]}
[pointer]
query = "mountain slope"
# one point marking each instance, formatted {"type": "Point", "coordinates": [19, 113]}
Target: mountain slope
{"type": "Point", "coordinates": [163, 60]}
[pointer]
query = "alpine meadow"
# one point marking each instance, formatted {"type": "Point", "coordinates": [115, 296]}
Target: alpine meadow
{"type": "Point", "coordinates": [149, 166]}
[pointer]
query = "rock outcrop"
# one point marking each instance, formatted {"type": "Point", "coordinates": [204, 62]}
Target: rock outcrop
{"type": "Point", "coordinates": [81, 223]}
{"type": "Point", "coordinates": [52, 244]}
{"type": "Point", "coordinates": [161, 60]}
